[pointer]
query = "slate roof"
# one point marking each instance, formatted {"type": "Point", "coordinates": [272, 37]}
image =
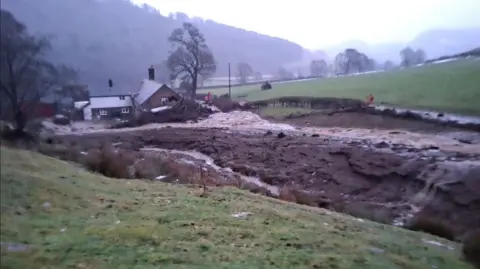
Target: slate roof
{"type": "Point", "coordinates": [147, 89]}
{"type": "Point", "coordinates": [114, 91]}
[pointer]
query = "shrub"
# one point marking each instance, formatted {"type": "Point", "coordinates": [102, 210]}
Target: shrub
{"type": "Point", "coordinates": [471, 247]}
{"type": "Point", "coordinates": [298, 196]}
{"type": "Point", "coordinates": [286, 194]}
{"type": "Point", "coordinates": [225, 104]}
{"type": "Point", "coordinates": [254, 188]}
{"type": "Point", "coordinates": [432, 226]}
{"type": "Point", "coordinates": [365, 210]}
{"type": "Point", "coordinates": [109, 163]}
{"type": "Point", "coordinates": [304, 198]}
{"type": "Point", "coordinates": [59, 150]}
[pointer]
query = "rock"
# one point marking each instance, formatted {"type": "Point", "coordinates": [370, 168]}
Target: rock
{"type": "Point", "coordinates": [465, 141]}
{"type": "Point", "coordinates": [47, 205]}
{"type": "Point", "coordinates": [435, 154]}
{"type": "Point", "coordinates": [315, 135]}
{"type": "Point", "coordinates": [241, 214]}
{"type": "Point", "coordinates": [382, 144]}
{"type": "Point", "coordinates": [15, 247]}
{"type": "Point", "coordinates": [376, 250]}
{"type": "Point", "coordinates": [268, 133]}
{"type": "Point", "coordinates": [281, 135]}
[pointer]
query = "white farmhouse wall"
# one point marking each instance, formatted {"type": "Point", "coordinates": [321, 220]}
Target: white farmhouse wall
{"type": "Point", "coordinates": [87, 112]}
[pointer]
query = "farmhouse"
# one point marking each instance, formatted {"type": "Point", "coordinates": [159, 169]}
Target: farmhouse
{"type": "Point", "coordinates": [121, 104]}
{"type": "Point", "coordinates": [115, 104]}
{"type": "Point", "coordinates": [82, 110]}
{"type": "Point", "coordinates": [153, 94]}
{"type": "Point", "coordinates": [124, 104]}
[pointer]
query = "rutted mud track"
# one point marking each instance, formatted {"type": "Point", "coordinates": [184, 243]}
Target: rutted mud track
{"type": "Point", "coordinates": [338, 172]}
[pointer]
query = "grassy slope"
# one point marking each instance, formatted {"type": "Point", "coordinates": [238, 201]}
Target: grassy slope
{"type": "Point", "coordinates": [136, 224]}
{"type": "Point", "coordinates": [451, 86]}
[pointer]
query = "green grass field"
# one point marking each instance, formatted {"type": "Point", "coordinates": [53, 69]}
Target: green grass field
{"type": "Point", "coordinates": [450, 87]}
{"type": "Point", "coordinates": [69, 218]}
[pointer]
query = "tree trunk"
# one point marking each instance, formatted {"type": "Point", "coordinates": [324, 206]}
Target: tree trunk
{"type": "Point", "coordinates": [20, 121]}
{"type": "Point", "coordinates": [193, 91]}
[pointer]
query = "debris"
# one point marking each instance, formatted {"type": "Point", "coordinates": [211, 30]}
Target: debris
{"type": "Point", "coordinates": [183, 111]}
{"type": "Point", "coordinates": [158, 109]}
{"type": "Point", "coordinates": [382, 144]}
{"type": "Point", "coordinates": [160, 177]}
{"type": "Point", "coordinates": [435, 243]}
{"type": "Point", "coordinates": [241, 214]}
{"type": "Point", "coordinates": [47, 205]}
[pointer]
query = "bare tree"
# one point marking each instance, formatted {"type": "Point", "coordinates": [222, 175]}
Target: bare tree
{"type": "Point", "coordinates": [244, 71]}
{"type": "Point", "coordinates": [163, 73]}
{"type": "Point", "coordinates": [420, 56]}
{"type": "Point", "coordinates": [340, 64]}
{"type": "Point", "coordinates": [356, 61]}
{"type": "Point", "coordinates": [258, 76]}
{"type": "Point", "coordinates": [191, 57]}
{"type": "Point", "coordinates": [368, 64]}
{"type": "Point", "coordinates": [25, 75]}
{"type": "Point", "coordinates": [408, 57]}
{"type": "Point", "coordinates": [318, 68]}
{"type": "Point", "coordinates": [351, 61]}
{"type": "Point", "coordinates": [388, 65]}
{"type": "Point", "coordinates": [67, 75]}
{"type": "Point", "coordinates": [412, 57]}
{"type": "Point", "coordinates": [284, 73]}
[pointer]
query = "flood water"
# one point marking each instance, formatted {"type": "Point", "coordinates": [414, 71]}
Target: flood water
{"type": "Point", "coordinates": [432, 115]}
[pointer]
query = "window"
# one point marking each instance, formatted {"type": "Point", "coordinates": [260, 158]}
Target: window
{"type": "Point", "coordinates": [122, 97]}
{"type": "Point", "coordinates": [102, 112]}
{"type": "Point", "coordinates": [125, 110]}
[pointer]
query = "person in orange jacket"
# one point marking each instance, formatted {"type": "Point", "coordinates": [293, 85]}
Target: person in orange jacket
{"type": "Point", "coordinates": [370, 99]}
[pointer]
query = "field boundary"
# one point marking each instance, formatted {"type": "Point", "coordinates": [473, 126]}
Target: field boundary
{"type": "Point", "coordinates": [333, 105]}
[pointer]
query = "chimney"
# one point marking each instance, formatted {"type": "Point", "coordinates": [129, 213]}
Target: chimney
{"type": "Point", "coordinates": [110, 83]}
{"type": "Point", "coordinates": [151, 73]}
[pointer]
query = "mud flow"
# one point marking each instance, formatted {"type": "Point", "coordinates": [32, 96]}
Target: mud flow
{"type": "Point", "coordinates": [396, 174]}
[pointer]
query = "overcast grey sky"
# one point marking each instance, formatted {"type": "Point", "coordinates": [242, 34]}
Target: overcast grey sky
{"type": "Point", "coordinates": [316, 23]}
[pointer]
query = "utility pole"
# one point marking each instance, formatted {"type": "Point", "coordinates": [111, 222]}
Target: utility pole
{"type": "Point", "coordinates": [229, 84]}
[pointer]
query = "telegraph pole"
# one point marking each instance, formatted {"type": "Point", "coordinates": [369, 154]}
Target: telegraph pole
{"type": "Point", "coordinates": [229, 84]}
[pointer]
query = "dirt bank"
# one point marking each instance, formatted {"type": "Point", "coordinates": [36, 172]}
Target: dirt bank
{"type": "Point", "coordinates": [355, 114]}
{"type": "Point", "coordinates": [389, 178]}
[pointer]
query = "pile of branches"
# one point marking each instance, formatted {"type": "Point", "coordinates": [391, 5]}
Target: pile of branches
{"type": "Point", "coordinates": [183, 111]}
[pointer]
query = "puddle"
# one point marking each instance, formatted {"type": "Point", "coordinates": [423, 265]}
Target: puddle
{"type": "Point", "coordinates": [209, 161]}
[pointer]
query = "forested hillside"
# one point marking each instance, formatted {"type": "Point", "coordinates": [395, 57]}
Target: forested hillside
{"type": "Point", "coordinates": [116, 39]}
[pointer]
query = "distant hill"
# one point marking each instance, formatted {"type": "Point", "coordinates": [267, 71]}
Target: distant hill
{"type": "Point", "coordinates": [119, 40]}
{"type": "Point", "coordinates": [435, 42]}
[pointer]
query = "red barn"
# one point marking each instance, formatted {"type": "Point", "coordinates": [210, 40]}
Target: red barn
{"type": "Point", "coordinates": [43, 110]}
